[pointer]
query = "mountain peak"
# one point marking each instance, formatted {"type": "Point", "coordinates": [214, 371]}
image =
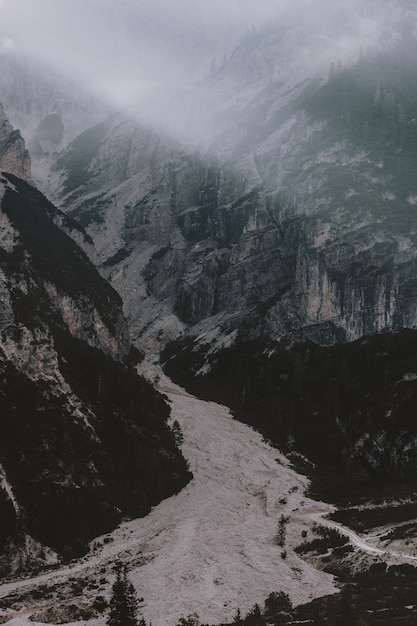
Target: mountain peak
{"type": "Point", "coordinates": [14, 157]}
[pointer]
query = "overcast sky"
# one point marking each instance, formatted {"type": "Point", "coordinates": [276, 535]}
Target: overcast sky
{"type": "Point", "coordinates": [128, 50]}
{"type": "Point", "coordinates": [125, 46]}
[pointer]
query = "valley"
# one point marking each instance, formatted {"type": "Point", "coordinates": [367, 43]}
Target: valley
{"type": "Point", "coordinates": [210, 549]}
{"type": "Point", "coordinates": [208, 311]}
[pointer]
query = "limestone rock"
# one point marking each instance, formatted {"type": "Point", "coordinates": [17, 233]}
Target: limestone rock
{"type": "Point", "coordinates": [14, 157]}
{"type": "Point", "coordinates": [84, 438]}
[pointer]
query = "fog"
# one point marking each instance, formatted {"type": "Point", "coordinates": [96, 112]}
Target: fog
{"type": "Point", "coordinates": [126, 48]}
{"type": "Point", "coordinates": [137, 53]}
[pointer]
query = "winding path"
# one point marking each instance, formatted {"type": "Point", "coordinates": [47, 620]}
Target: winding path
{"type": "Point", "coordinates": [357, 540]}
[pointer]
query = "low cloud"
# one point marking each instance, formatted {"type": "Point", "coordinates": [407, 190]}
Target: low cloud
{"type": "Point", "coordinates": [137, 52]}
{"type": "Point", "coordinates": [7, 43]}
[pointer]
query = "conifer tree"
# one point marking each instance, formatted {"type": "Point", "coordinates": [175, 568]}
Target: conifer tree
{"type": "Point", "coordinates": [238, 620]}
{"type": "Point", "coordinates": [255, 617]}
{"type": "Point", "coordinates": [124, 601]}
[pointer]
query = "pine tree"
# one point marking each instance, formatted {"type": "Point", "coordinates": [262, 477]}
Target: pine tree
{"type": "Point", "coordinates": [282, 531]}
{"type": "Point", "coordinates": [237, 620]}
{"type": "Point", "coordinates": [124, 601]}
{"type": "Point", "coordinates": [177, 432]}
{"type": "Point", "coordinates": [278, 602]}
{"type": "Point", "coordinates": [191, 620]}
{"type": "Point", "coordinates": [255, 617]}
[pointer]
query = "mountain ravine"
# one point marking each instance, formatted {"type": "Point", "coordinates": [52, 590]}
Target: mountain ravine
{"type": "Point", "coordinates": [288, 235]}
{"type": "Point", "coordinates": [245, 228]}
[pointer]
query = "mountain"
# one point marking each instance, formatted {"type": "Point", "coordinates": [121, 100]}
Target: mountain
{"type": "Point", "coordinates": [85, 440]}
{"type": "Point", "coordinates": [297, 226]}
{"type": "Point", "coordinates": [48, 109]}
{"type": "Point", "coordinates": [303, 166]}
{"type": "Point", "coordinates": [264, 255]}
{"type": "Point", "coordinates": [13, 154]}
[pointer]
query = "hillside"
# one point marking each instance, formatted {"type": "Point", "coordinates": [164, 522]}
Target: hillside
{"type": "Point", "coordinates": [84, 439]}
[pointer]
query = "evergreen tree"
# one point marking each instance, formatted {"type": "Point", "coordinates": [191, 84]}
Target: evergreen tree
{"type": "Point", "coordinates": [255, 617]}
{"type": "Point", "coordinates": [124, 601]}
{"type": "Point", "coordinates": [278, 602]}
{"type": "Point", "coordinates": [177, 432]}
{"type": "Point", "coordinates": [282, 531]}
{"type": "Point", "coordinates": [347, 613]}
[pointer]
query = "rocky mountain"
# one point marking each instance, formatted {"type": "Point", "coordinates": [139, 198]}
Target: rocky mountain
{"type": "Point", "coordinates": [298, 223]}
{"type": "Point", "coordinates": [265, 257]}
{"type": "Point", "coordinates": [48, 109]}
{"type": "Point", "coordinates": [295, 225]}
{"type": "Point", "coordinates": [84, 439]}
{"type": "Point", "coordinates": [254, 242]}
{"type": "Point", "coordinates": [14, 157]}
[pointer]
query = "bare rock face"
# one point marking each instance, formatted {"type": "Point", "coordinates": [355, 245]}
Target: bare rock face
{"type": "Point", "coordinates": [303, 230]}
{"type": "Point", "coordinates": [188, 240]}
{"type": "Point", "coordinates": [303, 227]}
{"type": "Point", "coordinates": [14, 157]}
{"type": "Point", "coordinates": [84, 438]}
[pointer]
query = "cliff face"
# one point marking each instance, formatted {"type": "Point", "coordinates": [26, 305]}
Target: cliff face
{"type": "Point", "coordinates": [302, 230]}
{"type": "Point", "coordinates": [48, 110]}
{"type": "Point", "coordinates": [303, 222]}
{"type": "Point", "coordinates": [182, 236]}
{"type": "Point", "coordinates": [14, 157]}
{"type": "Point", "coordinates": [84, 440]}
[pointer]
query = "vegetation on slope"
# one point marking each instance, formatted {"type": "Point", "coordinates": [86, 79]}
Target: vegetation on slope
{"type": "Point", "coordinates": [350, 407]}
{"type": "Point", "coordinates": [84, 440]}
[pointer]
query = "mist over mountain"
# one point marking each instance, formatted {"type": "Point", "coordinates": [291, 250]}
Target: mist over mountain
{"type": "Point", "coordinates": [234, 201]}
{"type": "Point", "coordinates": [141, 55]}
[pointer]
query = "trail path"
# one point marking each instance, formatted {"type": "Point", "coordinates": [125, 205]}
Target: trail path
{"type": "Point", "coordinates": [358, 541]}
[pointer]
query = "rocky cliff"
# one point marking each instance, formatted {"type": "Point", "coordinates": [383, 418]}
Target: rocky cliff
{"type": "Point", "coordinates": [301, 229]}
{"type": "Point", "coordinates": [330, 258]}
{"type": "Point", "coordinates": [84, 440]}
{"type": "Point", "coordinates": [48, 109]}
{"type": "Point", "coordinates": [14, 157]}
{"type": "Point", "coordinates": [301, 221]}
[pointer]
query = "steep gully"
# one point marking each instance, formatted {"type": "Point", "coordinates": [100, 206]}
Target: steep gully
{"type": "Point", "coordinates": [211, 549]}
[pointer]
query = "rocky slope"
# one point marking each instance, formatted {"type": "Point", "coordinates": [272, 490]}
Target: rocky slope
{"type": "Point", "coordinates": [84, 440]}
{"type": "Point", "coordinates": [48, 109]}
{"type": "Point", "coordinates": [14, 157]}
{"type": "Point", "coordinates": [303, 222]}
{"type": "Point", "coordinates": [302, 227]}
{"type": "Point", "coordinates": [322, 248]}
{"type": "Point", "coordinates": [284, 265]}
